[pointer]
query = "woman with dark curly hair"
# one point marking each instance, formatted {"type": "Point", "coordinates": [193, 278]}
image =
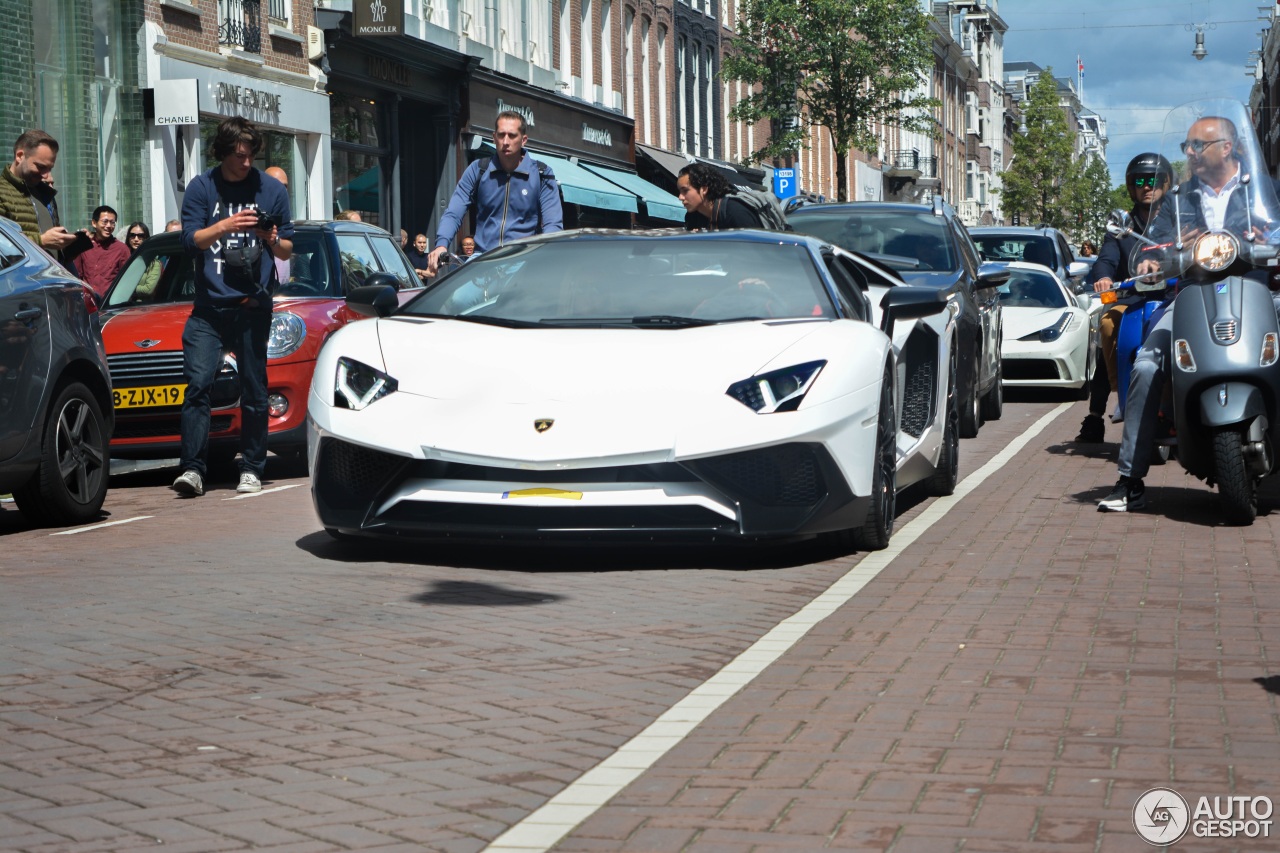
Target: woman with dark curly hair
{"type": "Point", "coordinates": [706, 196]}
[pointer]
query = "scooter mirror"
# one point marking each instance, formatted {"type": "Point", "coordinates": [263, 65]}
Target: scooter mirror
{"type": "Point", "coordinates": [1119, 223]}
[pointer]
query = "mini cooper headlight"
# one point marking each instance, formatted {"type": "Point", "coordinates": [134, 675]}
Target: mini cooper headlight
{"type": "Point", "coordinates": [1051, 333]}
{"type": "Point", "coordinates": [778, 390]}
{"type": "Point", "coordinates": [1215, 251]}
{"type": "Point", "coordinates": [358, 385]}
{"type": "Point", "coordinates": [288, 331]}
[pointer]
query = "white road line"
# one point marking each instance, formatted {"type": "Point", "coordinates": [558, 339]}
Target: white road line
{"type": "Point", "coordinates": [99, 526]}
{"type": "Point", "coordinates": [544, 828]}
{"type": "Point", "coordinates": [261, 493]}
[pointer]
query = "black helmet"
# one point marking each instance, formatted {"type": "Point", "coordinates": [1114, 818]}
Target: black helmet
{"type": "Point", "coordinates": [1147, 164]}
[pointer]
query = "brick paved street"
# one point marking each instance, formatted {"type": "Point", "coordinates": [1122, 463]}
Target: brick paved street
{"type": "Point", "coordinates": [223, 676]}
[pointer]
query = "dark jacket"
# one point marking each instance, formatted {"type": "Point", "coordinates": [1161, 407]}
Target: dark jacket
{"type": "Point", "coordinates": [1113, 257]}
{"type": "Point", "coordinates": [726, 213]}
{"type": "Point", "coordinates": [17, 203]}
{"type": "Point", "coordinates": [211, 198]}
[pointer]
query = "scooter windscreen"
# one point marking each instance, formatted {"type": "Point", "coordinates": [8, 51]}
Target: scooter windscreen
{"type": "Point", "coordinates": [1213, 207]}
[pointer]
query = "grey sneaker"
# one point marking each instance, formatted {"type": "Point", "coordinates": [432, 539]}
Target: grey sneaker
{"type": "Point", "coordinates": [249, 482]}
{"type": "Point", "coordinates": [189, 484]}
{"type": "Point", "coordinates": [1128, 495]}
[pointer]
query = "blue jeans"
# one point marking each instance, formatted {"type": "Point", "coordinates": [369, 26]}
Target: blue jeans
{"type": "Point", "coordinates": [210, 332]}
{"type": "Point", "coordinates": [1142, 406]}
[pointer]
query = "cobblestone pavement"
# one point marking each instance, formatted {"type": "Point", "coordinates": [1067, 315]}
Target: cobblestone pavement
{"type": "Point", "coordinates": [222, 676]}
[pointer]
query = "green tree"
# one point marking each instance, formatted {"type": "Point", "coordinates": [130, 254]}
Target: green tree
{"type": "Point", "coordinates": [1039, 182]}
{"type": "Point", "coordinates": [1119, 199]}
{"type": "Point", "coordinates": [1089, 200]}
{"type": "Point", "coordinates": [846, 65]}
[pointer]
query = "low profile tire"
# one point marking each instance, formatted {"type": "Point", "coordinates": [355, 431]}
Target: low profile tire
{"type": "Point", "coordinates": [1236, 489]}
{"type": "Point", "coordinates": [970, 408]}
{"type": "Point", "coordinates": [71, 483]}
{"type": "Point", "coordinates": [877, 527]}
{"type": "Point", "coordinates": [947, 472]}
{"type": "Point", "coordinates": [993, 401]}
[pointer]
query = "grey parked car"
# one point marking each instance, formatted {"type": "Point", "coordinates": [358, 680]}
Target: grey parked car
{"type": "Point", "coordinates": [55, 390]}
{"type": "Point", "coordinates": [1045, 246]}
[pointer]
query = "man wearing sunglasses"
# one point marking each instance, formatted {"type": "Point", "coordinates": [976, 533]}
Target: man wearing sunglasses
{"type": "Point", "coordinates": [1210, 199]}
{"type": "Point", "coordinates": [1147, 178]}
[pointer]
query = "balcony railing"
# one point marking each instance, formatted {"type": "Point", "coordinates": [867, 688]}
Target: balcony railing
{"type": "Point", "coordinates": [926, 166]}
{"type": "Point", "coordinates": [240, 24]}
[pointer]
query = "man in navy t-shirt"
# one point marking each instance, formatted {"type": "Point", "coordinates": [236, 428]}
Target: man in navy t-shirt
{"type": "Point", "coordinates": [235, 254]}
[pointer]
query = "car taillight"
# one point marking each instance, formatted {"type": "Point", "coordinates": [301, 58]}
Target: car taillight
{"type": "Point", "coordinates": [90, 298]}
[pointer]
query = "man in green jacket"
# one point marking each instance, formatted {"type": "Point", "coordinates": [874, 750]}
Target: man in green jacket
{"type": "Point", "coordinates": [34, 154]}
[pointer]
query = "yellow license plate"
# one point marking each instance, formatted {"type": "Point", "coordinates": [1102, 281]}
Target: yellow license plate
{"type": "Point", "coordinates": [155, 395]}
{"type": "Point", "coordinates": [543, 493]}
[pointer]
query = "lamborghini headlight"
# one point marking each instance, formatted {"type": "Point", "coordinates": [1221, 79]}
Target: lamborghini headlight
{"type": "Point", "coordinates": [1216, 251]}
{"type": "Point", "coordinates": [358, 385]}
{"type": "Point", "coordinates": [288, 331]}
{"type": "Point", "coordinates": [1051, 333]}
{"type": "Point", "coordinates": [778, 390]}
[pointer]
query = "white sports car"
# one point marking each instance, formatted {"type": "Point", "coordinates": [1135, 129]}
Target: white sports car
{"type": "Point", "coordinates": [661, 384]}
{"type": "Point", "coordinates": [1050, 336]}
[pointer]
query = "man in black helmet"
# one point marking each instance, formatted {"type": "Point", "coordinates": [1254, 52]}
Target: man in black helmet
{"type": "Point", "coordinates": [1147, 178]}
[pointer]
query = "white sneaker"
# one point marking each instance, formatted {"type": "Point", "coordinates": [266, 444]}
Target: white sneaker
{"type": "Point", "coordinates": [189, 484]}
{"type": "Point", "coordinates": [249, 482]}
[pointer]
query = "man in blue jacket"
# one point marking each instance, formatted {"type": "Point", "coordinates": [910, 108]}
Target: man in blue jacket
{"type": "Point", "coordinates": [515, 195]}
{"type": "Point", "coordinates": [234, 246]}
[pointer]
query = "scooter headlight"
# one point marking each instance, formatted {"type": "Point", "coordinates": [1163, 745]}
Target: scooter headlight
{"type": "Point", "coordinates": [1216, 251]}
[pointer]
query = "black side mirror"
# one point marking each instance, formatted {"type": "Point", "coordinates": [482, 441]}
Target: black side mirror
{"type": "Point", "coordinates": [992, 274]}
{"type": "Point", "coordinates": [377, 297]}
{"type": "Point", "coordinates": [909, 303]}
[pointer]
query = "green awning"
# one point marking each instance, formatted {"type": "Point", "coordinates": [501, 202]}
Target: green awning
{"type": "Point", "coordinates": [658, 203]}
{"type": "Point", "coordinates": [579, 186]}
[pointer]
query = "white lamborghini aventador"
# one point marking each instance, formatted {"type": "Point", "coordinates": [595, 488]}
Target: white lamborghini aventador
{"type": "Point", "coordinates": [595, 383]}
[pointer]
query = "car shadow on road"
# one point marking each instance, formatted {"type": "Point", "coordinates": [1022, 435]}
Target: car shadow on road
{"type": "Point", "coordinates": [535, 557]}
{"type": "Point", "coordinates": [472, 594]}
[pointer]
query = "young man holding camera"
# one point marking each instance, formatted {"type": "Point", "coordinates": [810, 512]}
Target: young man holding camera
{"type": "Point", "coordinates": [235, 221]}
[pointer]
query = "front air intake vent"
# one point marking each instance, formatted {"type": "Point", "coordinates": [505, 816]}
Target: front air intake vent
{"type": "Point", "coordinates": [1225, 331]}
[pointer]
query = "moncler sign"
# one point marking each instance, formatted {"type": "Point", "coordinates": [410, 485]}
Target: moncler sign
{"type": "Point", "coordinates": [377, 17]}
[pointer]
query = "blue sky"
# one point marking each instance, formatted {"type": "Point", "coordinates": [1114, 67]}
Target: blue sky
{"type": "Point", "coordinates": [1137, 57]}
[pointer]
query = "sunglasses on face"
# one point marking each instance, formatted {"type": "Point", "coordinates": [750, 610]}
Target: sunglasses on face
{"type": "Point", "coordinates": [1145, 181]}
{"type": "Point", "coordinates": [1198, 145]}
{"type": "Point", "coordinates": [136, 236]}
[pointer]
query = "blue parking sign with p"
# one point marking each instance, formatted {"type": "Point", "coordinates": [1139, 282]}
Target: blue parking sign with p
{"type": "Point", "coordinates": [785, 183]}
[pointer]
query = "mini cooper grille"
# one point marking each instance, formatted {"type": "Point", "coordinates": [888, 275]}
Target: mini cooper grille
{"type": "Point", "coordinates": [917, 405]}
{"type": "Point", "coordinates": [1225, 331]}
{"type": "Point", "coordinates": [129, 370]}
{"type": "Point", "coordinates": [348, 475]}
{"type": "Point", "coordinates": [775, 476]}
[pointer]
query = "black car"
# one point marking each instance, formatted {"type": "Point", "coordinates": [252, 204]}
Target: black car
{"type": "Point", "coordinates": [55, 390]}
{"type": "Point", "coordinates": [929, 246]}
{"type": "Point", "coordinates": [1045, 246]}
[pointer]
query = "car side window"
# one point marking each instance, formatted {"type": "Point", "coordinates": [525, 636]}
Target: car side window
{"type": "Point", "coordinates": [358, 260]}
{"type": "Point", "coordinates": [10, 252]}
{"type": "Point", "coordinates": [394, 261]}
{"type": "Point", "coordinates": [850, 287]}
{"type": "Point", "coordinates": [968, 253]}
{"type": "Point", "coordinates": [1064, 249]}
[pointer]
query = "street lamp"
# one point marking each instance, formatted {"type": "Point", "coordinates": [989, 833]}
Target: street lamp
{"type": "Point", "coordinates": [1199, 52]}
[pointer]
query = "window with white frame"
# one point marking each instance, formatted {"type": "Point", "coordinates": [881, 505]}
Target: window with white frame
{"type": "Point", "coordinates": [695, 59]}
{"type": "Point", "coordinates": [629, 62]}
{"type": "Point", "coordinates": [566, 41]}
{"type": "Point", "coordinates": [646, 83]}
{"type": "Point", "coordinates": [709, 109]}
{"type": "Point", "coordinates": [606, 50]}
{"type": "Point", "coordinates": [539, 34]}
{"type": "Point", "coordinates": [279, 12]}
{"type": "Point", "coordinates": [587, 52]}
{"type": "Point", "coordinates": [682, 99]}
{"type": "Point", "coordinates": [662, 83]}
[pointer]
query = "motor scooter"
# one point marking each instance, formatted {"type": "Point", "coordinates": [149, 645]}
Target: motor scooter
{"type": "Point", "coordinates": [1225, 340]}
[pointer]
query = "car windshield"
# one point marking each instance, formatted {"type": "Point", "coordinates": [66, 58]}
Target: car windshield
{"type": "Point", "coordinates": [901, 239]}
{"type": "Point", "coordinates": [1000, 247]}
{"type": "Point", "coordinates": [162, 272]}
{"type": "Point", "coordinates": [642, 282]}
{"type": "Point", "coordinates": [1031, 289]}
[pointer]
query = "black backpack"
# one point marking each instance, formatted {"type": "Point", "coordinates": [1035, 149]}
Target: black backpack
{"type": "Point", "coordinates": [765, 206]}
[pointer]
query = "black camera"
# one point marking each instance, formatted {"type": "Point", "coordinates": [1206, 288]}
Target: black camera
{"type": "Point", "coordinates": [265, 223]}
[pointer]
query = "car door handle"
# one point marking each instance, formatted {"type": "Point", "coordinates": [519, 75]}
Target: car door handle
{"type": "Point", "coordinates": [27, 313]}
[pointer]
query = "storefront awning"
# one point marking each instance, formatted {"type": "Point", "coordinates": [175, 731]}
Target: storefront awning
{"type": "Point", "coordinates": [579, 186]}
{"type": "Point", "coordinates": [658, 203]}
{"type": "Point", "coordinates": [670, 163]}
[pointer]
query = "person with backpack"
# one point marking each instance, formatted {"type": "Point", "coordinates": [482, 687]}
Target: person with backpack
{"type": "Point", "coordinates": [515, 195]}
{"type": "Point", "coordinates": [713, 204]}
